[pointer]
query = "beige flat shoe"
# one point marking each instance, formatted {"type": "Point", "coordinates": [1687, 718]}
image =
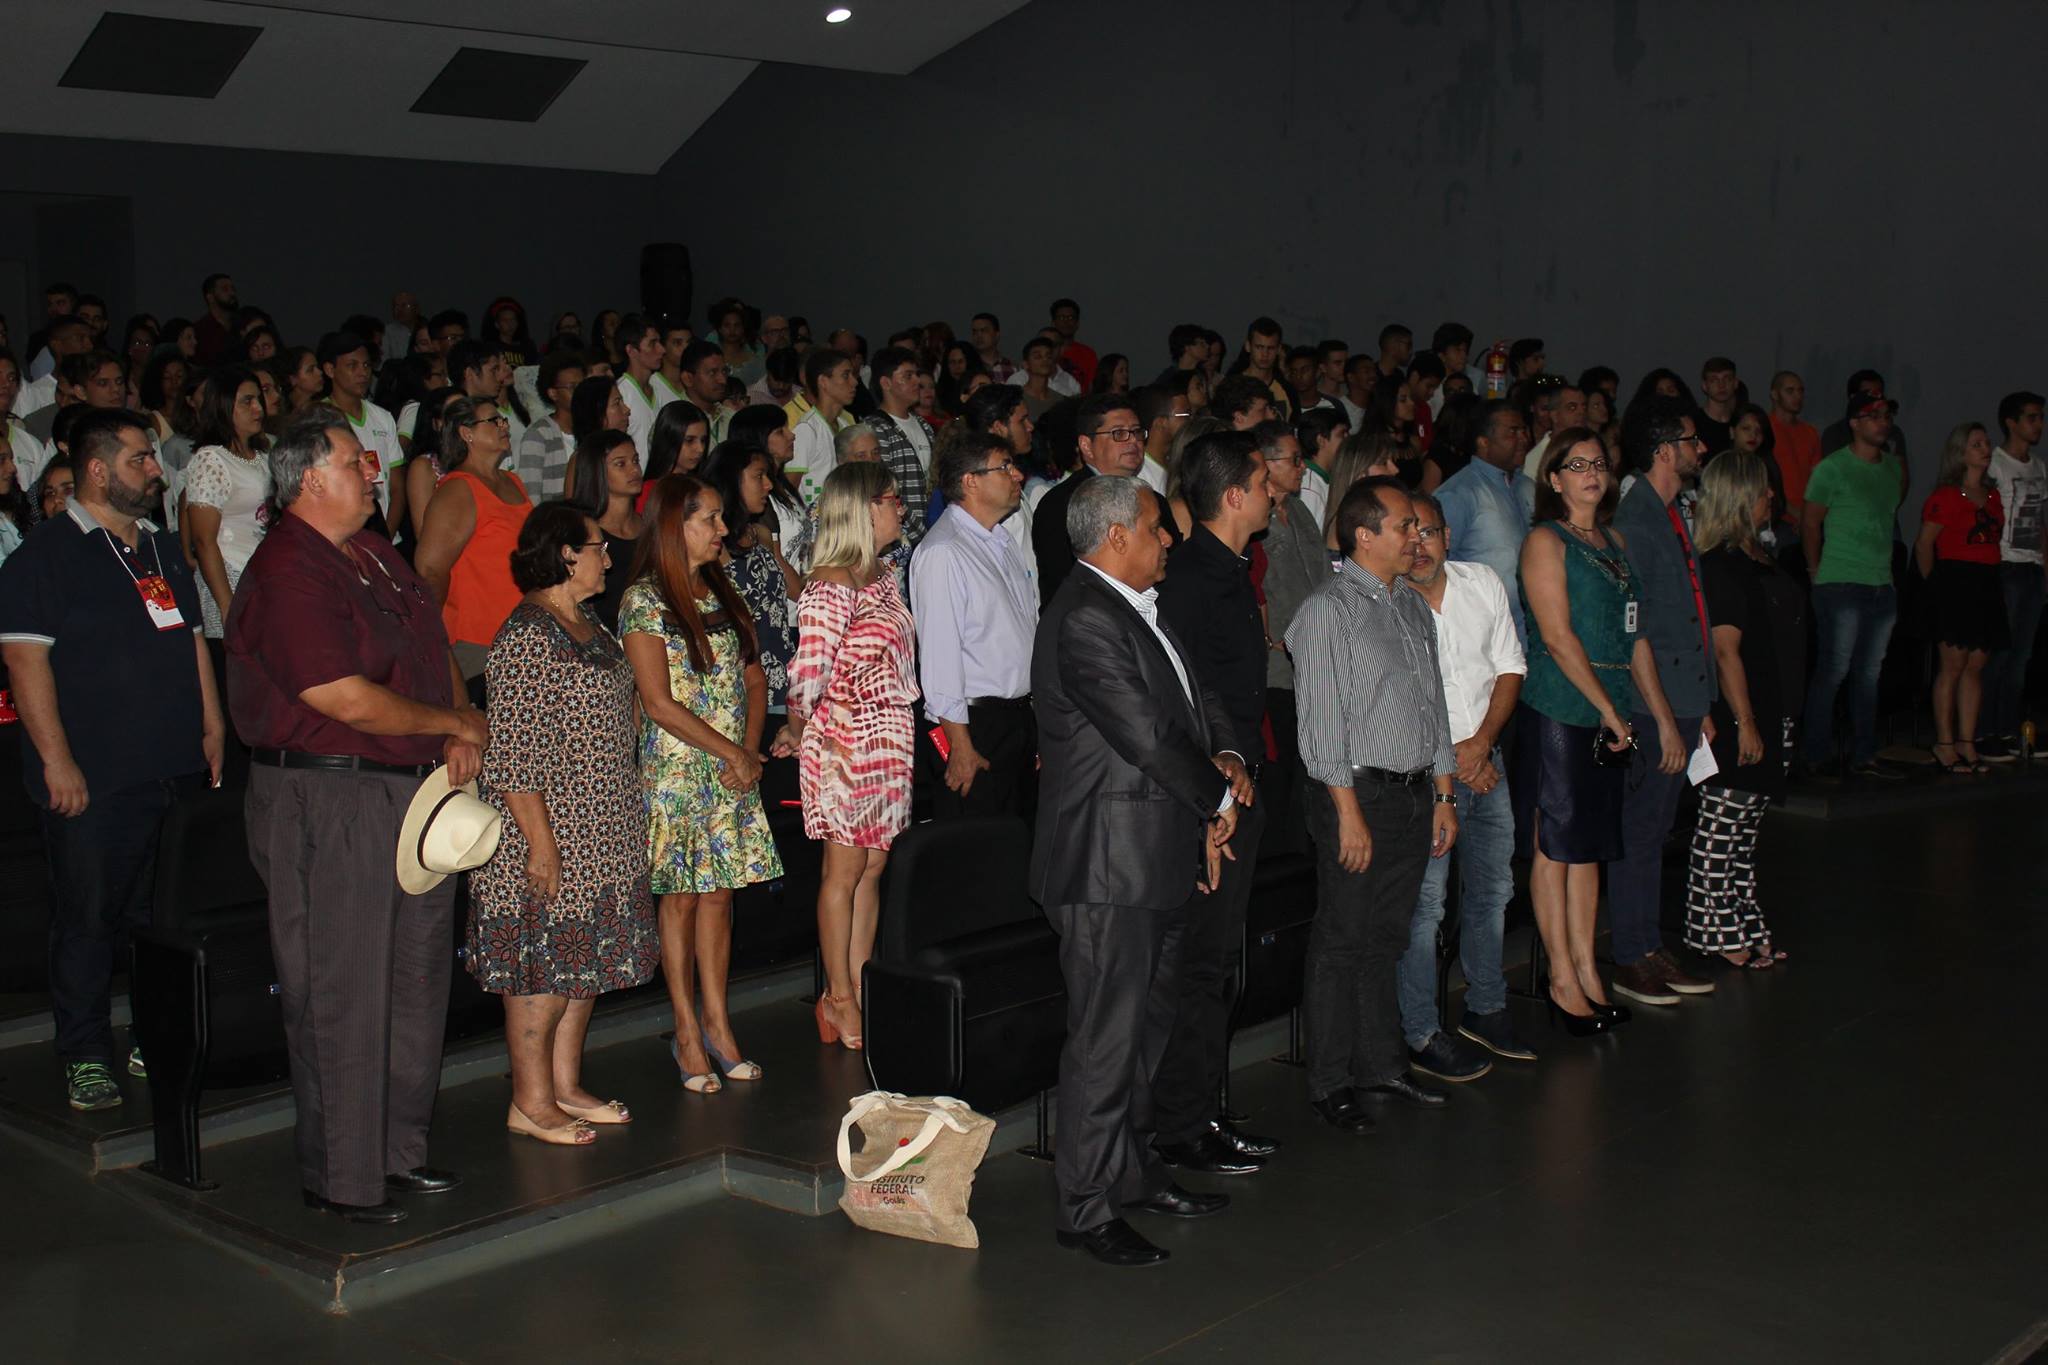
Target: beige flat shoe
{"type": "Point", "coordinates": [611, 1111]}
{"type": "Point", "coordinates": [572, 1135]}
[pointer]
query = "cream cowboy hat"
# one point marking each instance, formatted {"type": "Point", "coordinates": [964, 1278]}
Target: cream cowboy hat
{"type": "Point", "coordinates": [447, 830]}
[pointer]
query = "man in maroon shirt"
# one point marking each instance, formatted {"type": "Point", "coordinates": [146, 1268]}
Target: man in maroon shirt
{"type": "Point", "coordinates": [341, 681]}
{"type": "Point", "coordinates": [215, 329]}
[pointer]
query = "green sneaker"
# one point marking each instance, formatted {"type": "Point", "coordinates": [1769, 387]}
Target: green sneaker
{"type": "Point", "coordinates": [135, 1066]}
{"type": "Point", "coordinates": [91, 1085]}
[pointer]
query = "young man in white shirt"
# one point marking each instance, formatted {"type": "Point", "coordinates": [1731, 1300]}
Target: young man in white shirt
{"type": "Point", "coordinates": [1482, 663]}
{"type": "Point", "coordinates": [667, 382]}
{"type": "Point", "coordinates": [1320, 430]}
{"type": "Point", "coordinates": [640, 342]}
{"type": "Point", "coordinates": [344, 358]}
{"type": "Point", "coordinates": [2022, 483]}
{"type": "Point", "coordinates": [68, 335]}
{"type": "Point", "coordinates": [1162, 413]}
{"type": "Point", "coordinates": [831, 379]}
{"type": "Point", "coordinates": [904, 437]}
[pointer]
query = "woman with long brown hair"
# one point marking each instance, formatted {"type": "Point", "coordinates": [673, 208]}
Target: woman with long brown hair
{"type": "Point", "coordinates": [704, 700]}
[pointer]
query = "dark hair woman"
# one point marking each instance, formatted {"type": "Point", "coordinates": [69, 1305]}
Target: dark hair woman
{"type": "Point", "coordinates": [767, 582]}
{"type": "Point", "coordinates": [607, 485]}
{"type": "Point", "coordinates": [703, 701]}
{"type": "Point", "coordinates": [764, 426]}
{"type": "Point", "coordinates": [675, 445]}
{"type": "Point", "coordinates": [959, 366]}
{"type": "Point", "coordinates": [423, 469]}
{"type": "Point", "coordinates": [472, 524]}
{"type": "Point", "coordinates": [226, 488]}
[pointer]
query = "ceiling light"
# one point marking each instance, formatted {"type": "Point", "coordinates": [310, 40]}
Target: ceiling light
{"type": "Point", "coordinates": [838, 16]}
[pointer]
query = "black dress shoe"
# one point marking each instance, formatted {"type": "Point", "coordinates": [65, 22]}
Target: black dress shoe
{"type": "Point", "coordinates": [1340, 1110]}
{"type": "Point", "coordinates": [1207, 1155]}
{"type": "Point", "coordinates": [422, 1180]}
{"type": "Point", "coordinates": [1175, 1202]}
{"type": "Point", "coordinates": [386, 1212]}
{"type": "Point", "coordinates": [1243, 1143]}
{"type": "Point", "coordinates": [1115, 1243]}
{"type": "Point", "coordinates": [1408, 1092]}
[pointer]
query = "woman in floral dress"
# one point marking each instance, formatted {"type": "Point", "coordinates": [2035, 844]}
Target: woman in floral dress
{"type": "Point", "coordinates": [562, 914]}
{"type": "Point", "coordinates": [697, 667]}
{"type": "Point", "coordinates": [850, 692]}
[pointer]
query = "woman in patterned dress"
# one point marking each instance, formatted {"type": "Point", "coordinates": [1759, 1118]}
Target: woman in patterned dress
{"type": "Point", "coordinates": [704, 699]}
{"type": "Point", "coordinates": [850, 691]}
{"type": "Point", "coordinates": [562, 913]}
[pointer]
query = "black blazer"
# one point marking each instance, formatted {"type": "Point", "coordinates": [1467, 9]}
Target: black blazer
{"type": "Point", "coordinates": [1127, 786]}
{"type": "Point", "coordinates": [1050, 544]}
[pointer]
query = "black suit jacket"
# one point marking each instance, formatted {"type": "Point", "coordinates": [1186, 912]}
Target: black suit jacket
{"type": "Point", "coordinates": [1050, 544]}
{"type": "Point", "coordinates": [1128, 785]}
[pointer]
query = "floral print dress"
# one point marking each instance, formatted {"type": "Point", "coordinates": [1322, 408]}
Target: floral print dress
{"type": "Point", "coordinates": [561, 717]}
{"type": "Point", "coordinates": [700, 835]}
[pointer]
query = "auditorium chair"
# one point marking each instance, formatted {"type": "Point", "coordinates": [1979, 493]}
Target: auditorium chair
{"type": "Point", "coordinates": [1278, 917]}
{"type": "Point", "coordinates": [204, 988]}
{"type": "Point", "coordinates": [964, 995]}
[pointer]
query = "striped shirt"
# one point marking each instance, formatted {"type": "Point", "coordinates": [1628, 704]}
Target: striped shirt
{"type": "Point", "coordinates": [1366, 682]}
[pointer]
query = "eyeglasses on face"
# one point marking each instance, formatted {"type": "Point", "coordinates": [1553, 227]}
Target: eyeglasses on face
{"type": "Point", "coordinates": [1428, 533]}
{"type": "Point", "coordinates": [1696, 442]}
{"type": "Point", "coordinates": [1579, 464]}
{"type": "Point", "coordinates": [1121, 433]}
{"type": "Point", "coordinates": [884, 499]}
{"type": "Point", "coordinates": [501, 420]}
{"type": "Point", "coordinates": [1005, 467]}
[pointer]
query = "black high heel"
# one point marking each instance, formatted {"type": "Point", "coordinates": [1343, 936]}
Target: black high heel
{"type": "Point", "coordinates": [1613, 1014]}
{"type": "Point", "coordinates": [1579, 1025]}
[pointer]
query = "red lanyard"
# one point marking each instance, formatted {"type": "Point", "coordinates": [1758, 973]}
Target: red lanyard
{"type": "Point", "coordinates": [1692, 569]}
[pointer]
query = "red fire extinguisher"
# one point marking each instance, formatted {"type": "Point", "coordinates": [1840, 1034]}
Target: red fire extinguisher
{"type": "Point", "coordinates": [1497, 370]}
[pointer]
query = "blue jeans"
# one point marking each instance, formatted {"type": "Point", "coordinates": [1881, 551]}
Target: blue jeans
{"type": "Point", "coordinates": [2005, 678]}
{"type": "Point", "coordinates": [1854, 624]}
{"type": "Point", "coordinates": [1486, 840]}
{"type": "Point", "coordinates": [1635, 881]}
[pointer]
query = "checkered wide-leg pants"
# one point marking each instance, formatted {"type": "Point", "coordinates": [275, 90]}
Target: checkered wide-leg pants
{"type": "Point", "coordinates": [1721, 913]}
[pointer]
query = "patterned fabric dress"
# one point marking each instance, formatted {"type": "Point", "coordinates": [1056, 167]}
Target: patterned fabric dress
{"type": "Point", "coordinates": [561, 718]}
{"type": "Point", "coordinates": [758, 580]}
{"type": "Point", "coordinates": [700, 835]}
{"type": "Point", "coordinates": [853, 682]}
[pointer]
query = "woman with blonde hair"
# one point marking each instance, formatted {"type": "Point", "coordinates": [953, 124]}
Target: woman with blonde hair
{"type": "Point", "coordinates": [850, 691]}
{"type": "Point", "coordinates": [703, 702]}
{"type": "Point", "coordinates": [1758, 612]}
{"type": "Point", "coordinates": [1363, 455]}
{"type": "Point", "coordinates": [1961, 524]}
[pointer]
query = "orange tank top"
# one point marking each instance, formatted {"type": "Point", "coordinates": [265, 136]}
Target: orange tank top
{"type": "Point", "coordinates": [481, 593]}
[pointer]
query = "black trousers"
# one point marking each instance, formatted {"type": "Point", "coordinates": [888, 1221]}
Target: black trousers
{"type": "Point", "coordinates": [1120, 964]}
{"type": "Point", "coordinates": [1350, 1003]}
{"type": "Point", "coordinates": [1007, 736]}
{"type": "Point", "coordinates": [1280, 780]}
{"type": "Point", "coordinates": [363, 969]}
{"type": "Point", "coordinates": [1190, 1075]}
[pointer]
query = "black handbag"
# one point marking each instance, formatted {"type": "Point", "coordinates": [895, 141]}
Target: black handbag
{"type": "Point", "coordinates": [1606, 757]}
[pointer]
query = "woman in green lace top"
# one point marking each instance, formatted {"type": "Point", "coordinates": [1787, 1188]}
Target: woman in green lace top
{"type": "Point", "coordinates": [1588, 662]}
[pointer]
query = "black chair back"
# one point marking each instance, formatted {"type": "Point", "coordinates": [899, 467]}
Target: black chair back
{"type": "Point", "coordinates": [949, 878]}
{"type": "Point", "coordinates": [204, 878]}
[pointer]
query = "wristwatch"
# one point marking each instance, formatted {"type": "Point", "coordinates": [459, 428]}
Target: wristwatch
{"type": "Point", "coordinates": [1446, 798]}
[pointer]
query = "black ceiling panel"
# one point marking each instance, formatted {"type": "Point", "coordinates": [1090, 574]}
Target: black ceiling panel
{"type": "Point", "coordinates": [480, 83]}
{"type": "Point", "coordinates": [143, 55]}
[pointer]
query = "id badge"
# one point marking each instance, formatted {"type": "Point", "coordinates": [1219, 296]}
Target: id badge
{"type": "Point", "coordinates": [1628, 618]}
{"type": "Point", "coordinates": [162, 603]}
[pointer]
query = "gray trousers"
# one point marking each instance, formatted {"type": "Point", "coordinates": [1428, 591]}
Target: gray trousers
{"type": "Point", "coordinates": [363, 969]}
{"type": "Point", "coordinates": [1121, 966]}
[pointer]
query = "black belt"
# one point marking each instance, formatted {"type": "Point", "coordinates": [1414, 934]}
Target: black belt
{"type": "Point", "coordinates": [1022, 703]}
{"type": "Point", "coordinates": [338, 763]}
{"type": "Point", "coordinates": [1391, 777]}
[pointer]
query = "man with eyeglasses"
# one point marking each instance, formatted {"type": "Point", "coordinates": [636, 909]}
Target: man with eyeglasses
{"type": "Point", "coordinates": [1162, 413]}
{"type": "Point", "coordinates": [1111, 441]}
{"type": "Point", "coordinates": [1660, 439]}
{"type": "Point", "coordinates": [976, 612]}
{"type": "Point", "coordinates": [1852, 504]}
{"type": "Point", "coordinates": [1483, 666]}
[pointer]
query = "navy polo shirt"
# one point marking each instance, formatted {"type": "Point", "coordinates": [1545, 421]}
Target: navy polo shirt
{"type": "Point", "coordinates": [127, 692]}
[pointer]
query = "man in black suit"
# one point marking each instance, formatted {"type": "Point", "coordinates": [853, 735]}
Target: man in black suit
{"type": "Point", "coordinates": [1137, 801]}
{"type": "Point", "coordinates": [1111, 442]}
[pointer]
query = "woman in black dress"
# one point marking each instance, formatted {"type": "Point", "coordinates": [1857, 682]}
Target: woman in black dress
{"type": "Point", "coordinates": [1758, 613]}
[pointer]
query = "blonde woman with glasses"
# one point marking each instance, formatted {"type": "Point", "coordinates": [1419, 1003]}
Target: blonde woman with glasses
{"type": "Point", "coordinates": [1758, 613]}
{"type": "Point", "coordinates": [851, 687]}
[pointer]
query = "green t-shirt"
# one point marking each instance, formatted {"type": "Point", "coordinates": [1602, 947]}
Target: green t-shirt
{"type": "Point", "coordinates": [1861, 498]}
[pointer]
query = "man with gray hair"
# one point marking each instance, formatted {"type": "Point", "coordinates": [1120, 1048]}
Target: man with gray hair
{"type": "Point", "coordinates": [341, 680]}
{"type": "Point", "coordinates": [1134, 813]}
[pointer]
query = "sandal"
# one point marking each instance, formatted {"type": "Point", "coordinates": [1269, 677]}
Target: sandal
{"type": "Point", "coordinates": [742, 1070]}
{"type": "Point", "coordinates": [1750, 960]}
{"type": "Point", "coordinates": [706, 1084]}
{"type": "Point", "coordinates": [1772, 952]}
{"type": "Point", "coordinates": [1954, 765]}
{"type": "Point", "coordinates": [1972, 760]}
{"type": "Point", "coordinates": [611, 1111]}
{"type": "Point", "coordinates": [577, 1133]}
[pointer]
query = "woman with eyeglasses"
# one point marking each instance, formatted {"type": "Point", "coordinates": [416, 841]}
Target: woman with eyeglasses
{"type": "Point", "coordinates": [1588, 660]}
{"type": "Point", "coordinates": [471, 527]}
{"type": "Point", "coordinates": [850, 691]}
{"type": "Point", "coordinates": [703, 701]}
{"type": "Point", "coordinates": [1758, 612]}
{"type": "Point", "coordinates": [563, 912]}
{"type": "Point", "coordinates": [1957, 553]}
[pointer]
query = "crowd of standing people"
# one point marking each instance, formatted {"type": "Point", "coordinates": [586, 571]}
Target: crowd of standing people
{"type": "Point", "coordinates": [1399, 609]}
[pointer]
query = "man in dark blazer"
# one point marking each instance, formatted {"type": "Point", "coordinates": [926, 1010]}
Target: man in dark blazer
{"type": "Point", "coordinates": [1136, 803]}
{"type": "Point", "coordinates": [1110, 442]}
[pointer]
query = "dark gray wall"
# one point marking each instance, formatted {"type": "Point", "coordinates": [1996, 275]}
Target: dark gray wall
{"type": "Point", "coordinates": [314, 238]}
{"type": "Point", "coordinates": [1820, 186]}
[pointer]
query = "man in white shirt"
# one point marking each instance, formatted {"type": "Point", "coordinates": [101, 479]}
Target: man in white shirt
{"type": "Point", "coordinates": [1162, 413]}
{"type": "Point", "coordinates": [667, 382]}
{"type": "Point", "coordinates": [1483, 667]}
{"type": "Point", "coordinates": [69, 335]}
{"type": "Point", "coordinates": [640, 342]}
{"type": "Point", "coordinates": [1558, 407]}
{"type": "Point", "coordinates": [1321, 430]}
{"type": "Point", "coordinates": [976, 610]}
{"type": "Point", "coordinates": [345, 359]}
{"type": "Point", "coordinates": [2022, 483]}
